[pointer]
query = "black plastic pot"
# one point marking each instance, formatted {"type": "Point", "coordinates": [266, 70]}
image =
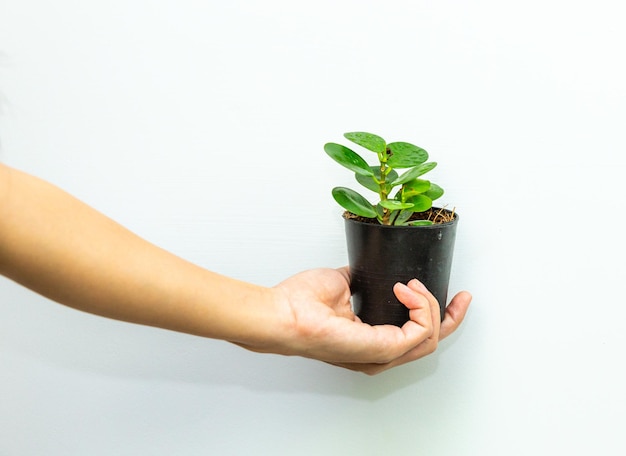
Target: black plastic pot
{"type": "Point", "coordinates": [381, 255]}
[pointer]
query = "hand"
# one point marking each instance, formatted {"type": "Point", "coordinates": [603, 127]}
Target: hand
{"type": "Point", "coordinates": [324, 327]}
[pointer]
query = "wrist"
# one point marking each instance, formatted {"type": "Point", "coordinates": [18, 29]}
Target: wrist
{"type": "Point", "coordinates": [264, 322]}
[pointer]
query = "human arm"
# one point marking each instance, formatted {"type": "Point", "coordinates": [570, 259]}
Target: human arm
{"type": "Point", "coordinates": [65, 250]}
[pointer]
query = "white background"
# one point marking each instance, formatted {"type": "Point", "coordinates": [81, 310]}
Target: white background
{"type": "Point", "coordinates": [200, 124]}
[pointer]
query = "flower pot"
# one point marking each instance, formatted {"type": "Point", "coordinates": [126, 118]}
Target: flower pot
{"type": "Point", "coordinates": [381, 255]}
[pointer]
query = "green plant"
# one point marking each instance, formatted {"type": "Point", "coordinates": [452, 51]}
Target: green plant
{"type": "Point", "coordinates": [413, 195]}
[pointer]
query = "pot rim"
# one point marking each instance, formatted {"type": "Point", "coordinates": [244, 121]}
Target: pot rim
{"type": "Point", "coordinates": [430, 227]}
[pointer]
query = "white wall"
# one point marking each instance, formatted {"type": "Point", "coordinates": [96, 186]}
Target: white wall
{"type": "Point", "coordinates": [200, 125]}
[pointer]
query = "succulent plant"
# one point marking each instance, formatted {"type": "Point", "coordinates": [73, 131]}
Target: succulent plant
{"type": "Point", "coordinates": [400, 196]}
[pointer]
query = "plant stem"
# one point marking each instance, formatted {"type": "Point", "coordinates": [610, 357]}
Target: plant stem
{"type": "Point", "coordinates": [383, 191]}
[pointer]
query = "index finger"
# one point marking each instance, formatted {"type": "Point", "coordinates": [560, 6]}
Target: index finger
{"type": "Point", "coordinates": [345, 272]}
{"type": "Point", "coordinates": [455, 313]}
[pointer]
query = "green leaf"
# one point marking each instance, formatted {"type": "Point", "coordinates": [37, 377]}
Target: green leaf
{"type": "Point", "coordinates": [434, 192]}
{"type": "Point", "coordinates": [418, 186]}
{"type": "Point", "coordinates": [380, 212]}
{"type": "Point", "coordinates": [420, 203]}
{"type": "Point", "coordinates": [394, 205]}
{"type": "Point", "coordinates": [368, 140]}
{"type": "Point", "coordinates": [403, 216]}
{"type": "Point", "coordinates": [405, 155]}
{"type": "Point", "coordinates": [348, 158]}
{"type": "Point", "coordinates": [415, 187]}
{"type": "Point", "coordinates": [369, 182]}
{"type": "Point", "coordinates": [353, 202]}
{"type": "Point", "coordinates": [415, 172]}
{"type": "Point", "coordinates": [420, 223]}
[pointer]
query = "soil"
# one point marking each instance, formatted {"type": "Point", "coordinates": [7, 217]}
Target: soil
{"type": "Point", "coordinates": [436, 215]}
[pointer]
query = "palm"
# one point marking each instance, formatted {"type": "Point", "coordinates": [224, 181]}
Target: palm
{"type": "Point", "coordinates": [319, 293]}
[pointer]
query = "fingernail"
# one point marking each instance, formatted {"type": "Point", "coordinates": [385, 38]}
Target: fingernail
{"type": "Point", "coordinates": [417, 285]}
{"type": "Point", "coordinates": [402, 285]}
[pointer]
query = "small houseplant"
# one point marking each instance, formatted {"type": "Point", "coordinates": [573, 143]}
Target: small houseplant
{"type": "Point", "coordinates": [400, 237]}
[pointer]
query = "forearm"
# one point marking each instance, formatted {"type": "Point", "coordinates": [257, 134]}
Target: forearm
{"type": "Point", "coordinates": [61, 248]}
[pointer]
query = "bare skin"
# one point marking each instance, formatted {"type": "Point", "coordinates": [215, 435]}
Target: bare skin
{"type": "Point", "coordinates": [61, 248]}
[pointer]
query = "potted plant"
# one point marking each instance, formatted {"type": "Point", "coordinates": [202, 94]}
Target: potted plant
{"type": "Point", "coordinates": [400, 237]}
